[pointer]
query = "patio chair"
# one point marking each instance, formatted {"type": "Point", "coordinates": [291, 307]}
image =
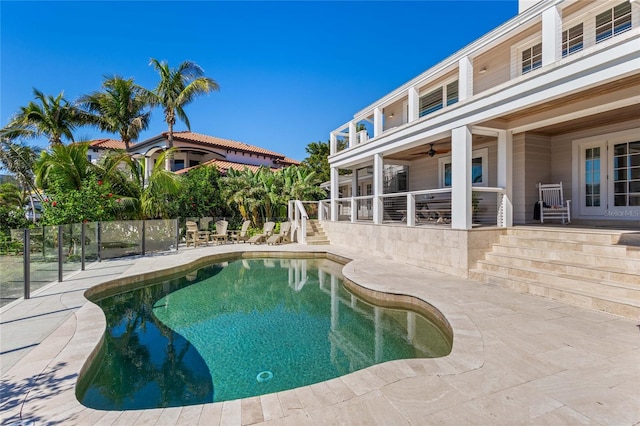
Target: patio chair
{"type": "Point", "coordinates": [221, 232]}
{"type": "Point", "coordinates": [266, 232]}
{"type": "Point", "coordinates": [243, 235]}
{"type": "Point", "coordinates": [283, 236]}
{"type": "Point", "coordinates": [552, 203]}
{"type": "Point", "coordinates": [195, 236]}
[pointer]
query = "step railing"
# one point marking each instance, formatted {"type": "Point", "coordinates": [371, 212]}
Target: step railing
{"type": "Point", "coordinates": [299, 215]}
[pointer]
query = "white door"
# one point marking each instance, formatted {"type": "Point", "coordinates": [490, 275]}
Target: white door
{"type": "Point", "coordinates": [609, 181]}
{"type": "Point", "coordinates": [593, 178]}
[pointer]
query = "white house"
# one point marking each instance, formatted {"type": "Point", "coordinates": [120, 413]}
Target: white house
{"type": "Point", "coordinates": [553, 95]}
{"type": "Point", "coordinates": [445, 169]}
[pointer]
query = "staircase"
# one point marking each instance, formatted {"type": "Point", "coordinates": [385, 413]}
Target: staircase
{"type": "Point", "coordinates": [579, 267]}
{"type": "Point", "coordinates": [315, 233]}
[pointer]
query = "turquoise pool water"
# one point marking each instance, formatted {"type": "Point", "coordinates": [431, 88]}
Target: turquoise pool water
{"type": "Point", "coordinates": [246, 328]}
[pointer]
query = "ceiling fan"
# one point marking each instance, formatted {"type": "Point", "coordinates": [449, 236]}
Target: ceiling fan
{"type": "Point", "coordinates": [431, 152]}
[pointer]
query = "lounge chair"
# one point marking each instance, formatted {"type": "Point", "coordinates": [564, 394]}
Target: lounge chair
{"type": "Point", "coordinates": [243, 234]}
{"type": "Point", "coordinates": [221, 232]}
{"type": "Point", "coordinates": [283, 236]}
{"type": "Point", "coordinates": [195, 236]}
{"type": "Point", "coordinates": [266, 232]}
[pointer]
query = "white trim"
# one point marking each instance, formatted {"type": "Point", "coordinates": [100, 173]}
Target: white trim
{"type": "Point", "coordinates": [516, 54]}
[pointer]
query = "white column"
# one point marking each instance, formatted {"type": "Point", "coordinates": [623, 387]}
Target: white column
{"type": "Point", "coordinates": [465, 78]}
{"type": "Point", "coordinates": [148, 165]}
{"type": "Point", "coordinates": [505, 171]}
{"type": "Point", "coordinates": [377, 122]}
{"type": "Point", "coordinates": [414, 103]}
{"type": "Point", "coordinates": [333, 143]}
{"type": "Point", "coordinates": [461, 211]}
{"type": "Point", "coordinates": [551, 36]}
{"type": "Point", "coordinates": [354, 193]}
{"type": "Point", "coordinates": [378, 189]}
{"type": "Point", "coordinates": [335, 193]}
{"type": "Point", "coordinates": [352, 134]}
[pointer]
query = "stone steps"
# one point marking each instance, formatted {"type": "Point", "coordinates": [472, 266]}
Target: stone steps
{"type": "Point", "coordinates": [588, 269]}
{"type": "Point", "coordinates": [315, 234]}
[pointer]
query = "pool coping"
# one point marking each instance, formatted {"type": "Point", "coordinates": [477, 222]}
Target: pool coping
{"type": "Point", "coordinates": [49, 372]}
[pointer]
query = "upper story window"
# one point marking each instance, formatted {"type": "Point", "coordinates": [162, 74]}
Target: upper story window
{"type": "Point", "coordinates": [531, 58]}
{"type": "Point", "coordinates": [613, 21]}
{"type": "Point", "coordinates": [438, 99]}
{"type": "Point", "coordinates": [572, 40]}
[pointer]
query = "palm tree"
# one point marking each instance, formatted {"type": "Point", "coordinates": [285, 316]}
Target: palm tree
{"type": "Point", "coordinates": [20, 160]}
{"type": "Point", "coordinates": [53, 117]}
{"type": "Point", "coordinates": [119, 108]}
{"type": "Point", "coordinates": [67, 164]}
{"type": "Point", "coordinates": [161, 184]}
{"type": "Point", "coordinates": [176, 89]}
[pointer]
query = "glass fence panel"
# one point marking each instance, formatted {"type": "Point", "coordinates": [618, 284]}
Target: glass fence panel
{"type": "Point", "coordinates": [91, 242]}
{"type": "Point", "coordinates": [12, 266]}
{"type": "Point", "coordinates": [43, 263]}
{"type": "Point", "coordinates": [160, 235]}
{"type": "Point", "coordinates": [120, 238]}
{"type": "Point", "coordinates": [72, 247]}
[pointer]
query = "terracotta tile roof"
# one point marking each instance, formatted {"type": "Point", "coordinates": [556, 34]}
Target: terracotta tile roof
{"type": "Point", "coordinates": [223, 166]}
{"type": "Point", "coordinates": [290, 161]}
{"type": "Point", "coordinates": [223, 143]}
{"type": "Point", "coordinates": [107, 144]}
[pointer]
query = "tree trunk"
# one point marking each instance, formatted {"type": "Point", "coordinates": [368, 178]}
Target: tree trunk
{"type": "Point", "coordinates": [168, 160]}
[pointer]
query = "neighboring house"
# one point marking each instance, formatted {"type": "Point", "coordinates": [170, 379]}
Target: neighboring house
{"type": "Point", "coordinates": [194, 149]}
{"type": "Point", "coordinates": [553, 95]}
{"type": "Point", "coordinates": [98, 147]}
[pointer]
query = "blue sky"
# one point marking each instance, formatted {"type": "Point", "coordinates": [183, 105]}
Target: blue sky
{"type": "Point", "coordinates": [289, 72]}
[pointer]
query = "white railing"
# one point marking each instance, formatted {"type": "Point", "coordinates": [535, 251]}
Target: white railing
{"type": "Point", "coordinates": [298, 217]}
{"type": "Point", "coordinates": [490, 206]}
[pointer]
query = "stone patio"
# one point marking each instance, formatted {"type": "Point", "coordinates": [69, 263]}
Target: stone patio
{"type": "Point", "coordinates": [516, 358]}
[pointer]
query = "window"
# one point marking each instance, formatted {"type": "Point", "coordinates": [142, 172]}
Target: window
{"type": "Point", "coordinates": [613, 21]}
{"type": "Point", "coordinates": [479, 163]}
{"type": "Point", "coordinates": [438, 99]}
{"type": "Point", "coordinates": [178, 164]}
{"type": "Point", "coordinates": [431, 102]}
{"type": "Point", "coordinates": [626, 174]}
{"type": "Point", "coordinates": [531, 58]}
{"type": "Point", "coordinates": [572, 40]}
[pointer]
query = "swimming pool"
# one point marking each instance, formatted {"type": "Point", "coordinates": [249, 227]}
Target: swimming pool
{"type": "Point", "coordinates": [243, 328]}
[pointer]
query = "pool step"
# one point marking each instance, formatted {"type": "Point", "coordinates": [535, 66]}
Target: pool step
{"type": "Point", "coordinates": [589, 269]}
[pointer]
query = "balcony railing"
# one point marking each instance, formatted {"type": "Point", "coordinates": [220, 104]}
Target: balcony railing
{"type": "Point", "coordinates": [490, 207]}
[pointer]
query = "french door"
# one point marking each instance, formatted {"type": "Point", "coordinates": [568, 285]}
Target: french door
{"type": "Point", "coordinates": [609, 183]}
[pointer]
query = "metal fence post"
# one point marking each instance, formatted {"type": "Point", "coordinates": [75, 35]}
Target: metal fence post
{"type": "Point", "coordinates": [82, 241]}
{"type": "Point", "coordinates": [144, 238]}
{"type": "Point", "coordinates": [60, 242]}
{"type": "Point", "coordinates": [177, 232]}
{"type": "Point", "coordinates": [26, 258]}
{"type": "Point", "coordinates": [99, 239]}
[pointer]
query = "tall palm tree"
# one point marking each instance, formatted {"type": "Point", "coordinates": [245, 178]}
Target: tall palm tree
{"type": "Point", "coordinates": [118, 108]}
{"type": "Point", "coordinates": [53, 117]}
{"type": "Point", "coordinates": [20, 160]}
{"type": "Point", "coordinates": [177, 88]}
